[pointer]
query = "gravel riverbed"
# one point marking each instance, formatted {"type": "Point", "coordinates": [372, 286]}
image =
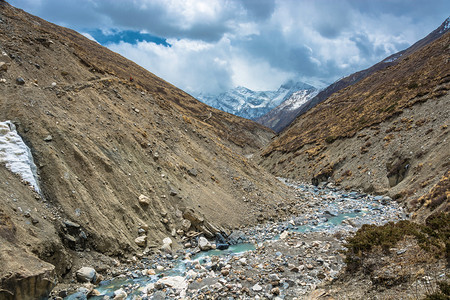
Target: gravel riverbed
{"type": "Point", "coordinates": [275, 260]}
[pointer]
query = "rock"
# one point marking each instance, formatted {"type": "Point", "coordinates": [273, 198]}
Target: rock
{"type": "Point", "coordinates": [144, 200]}
{"type": "Point", "coordinates": [192, 172]}
{"type": "Point", "coordinates": [159, 268]}
{"type": "Point", "coordinates": [275, 291]}
{"type": "Point", "coordinates": [193, 217]}
{"type": "Point", "coordinates": [159, 295]}
{"type": "Point", "coordinates": [204, 244]}
{"type": "Point", "coordinates": [316, 294]}
{"type": "Point", "coordinates": [151, 272]}
{"type": "Point", "coordinates": [284, 235]}
{"type": "Point", "coordinates": [86, 274]}
{"type": "Point", "coordinates": [120, 294]}
{"type": "Point", "coordinates": [77, 296]}
{"type": "Point", "coordinates": [30, 278]}
{"type": "Point", "coordinates": [3, 66]}
{"type": "Point", "coordinates": [48, 138]}
{"type": "Point", "coordinates": [237, 237]}
{"type": "Point", "coordinates": [20, 81]}
{"type": "Point", "coordinates": [167, 240]}
{"type": "Point", "coordinates": [274, 277]}
{"type": "Point", "coordinates": [159, 285]}
{"type": "Point", "coordinates": [95, 292]}
{"type": "Point", "coordinates": [173, 192]}
{"type": "Point", "coordinates": [141, 241]}
{"type": "Point", "coordinates": [167, 248]}
{"type": "Point", "coordinates": [176, 282]}
{"type": "Point", "coordinates": [257, 288]}
{"type": "Point", "coordinates": [186, 225]}
{"type": "Point", "coordinates": [191, 274]}
{"type": "Point", "coordinates": [400, 252]}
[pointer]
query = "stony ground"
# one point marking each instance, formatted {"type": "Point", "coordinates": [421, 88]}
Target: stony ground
{"type": "Point", "coordinates": [291, 259]}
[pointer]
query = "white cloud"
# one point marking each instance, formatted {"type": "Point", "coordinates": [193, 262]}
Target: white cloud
{"type": "Point", "coordinates": [217, 44]}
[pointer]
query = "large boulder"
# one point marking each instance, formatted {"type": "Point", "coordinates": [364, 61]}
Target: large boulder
{"type": "Point", "coordinates": [204, 244]}
{"type": "Point", "coordinates": [86, 274]}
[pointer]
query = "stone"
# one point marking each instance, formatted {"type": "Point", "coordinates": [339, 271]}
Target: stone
{"type": "Point", "coordinates": [167, 240]}
{"type": "Point", "coordinates": [236, 237]}
{"type": "Point", "coordinates": [257, 288]}
{"type": "Point", "coordinates": [186, 225]}
{"type": "Point", "coordinates": [20, 81]}
{"type": "Point", "coordinates": [284, 235]}
{"type": "Point", "coordinates": [173, 192]}
{"type": "Point", "coordinates": [204, 244]}
{"type": "Point", "coordinates": [167, 248]}
{"type": "Point", "coordinates": [78, 296]}
{"type": "Point", "coordinates": [192, 172]}
{"type": "Point", "coordinates": [400, 252]}
{"type": "Point", "coordinates": [159, 268]}
{"type": "Point", "coordinates": [95, 292]}
{"type": "Point", "coordinates": [151, 272]}
{"type": "Point", "coordinates": [193, 217]}
{"type": "Point", "coordinates": [275, 291]}
{"type": "Point", "coordinates": [274, 277]}
{"type": "Point", "coordinates": [144, 200]}
{"type": "Point", "coordinates": [3, 66]}
{"type": "Point", "coordinates": [141, 241]}
{"type": "Point", "coordinates": [175, 282]}
{"type": "Point", "coordinates": [86, 274]}
{"type": "Point", "coordinates": [120, 294]}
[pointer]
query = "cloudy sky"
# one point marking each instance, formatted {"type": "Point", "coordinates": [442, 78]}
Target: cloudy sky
{"type": "Point", "coordinates": [213, 45]}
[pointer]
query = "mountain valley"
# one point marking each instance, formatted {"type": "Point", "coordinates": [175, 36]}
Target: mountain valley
{"type": "Point", "coordinates": [144, 192]}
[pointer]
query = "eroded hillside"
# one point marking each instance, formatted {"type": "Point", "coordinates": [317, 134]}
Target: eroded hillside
{"type": "Point", "coordinates": [100, 142]}
{"type": "Point", "coordinates": [385, 134]}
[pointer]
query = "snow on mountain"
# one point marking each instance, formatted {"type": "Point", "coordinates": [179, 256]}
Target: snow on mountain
{"type": "Point", "coordinates": [251, 104]}
{"type": "Point", "coordinates": [16, 156]}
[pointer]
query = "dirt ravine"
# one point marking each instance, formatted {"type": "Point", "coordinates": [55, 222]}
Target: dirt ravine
{"type": "Point", "coordinates": [122, 164]}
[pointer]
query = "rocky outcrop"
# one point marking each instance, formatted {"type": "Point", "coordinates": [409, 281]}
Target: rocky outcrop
{"type": "Point", "coordinates": [23, 276]}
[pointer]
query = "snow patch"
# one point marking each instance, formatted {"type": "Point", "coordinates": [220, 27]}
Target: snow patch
{"type": "Point", "coordinates": [16, 155]}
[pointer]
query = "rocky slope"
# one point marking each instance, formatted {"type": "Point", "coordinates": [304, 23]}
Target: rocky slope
{"type": "Point", "coordinates": [250, 104]}
{"type": "Point", "coordinates": [386, 134]}
{"type": "Point", "coordinates": [117, 160]}
{"type": "Point", "coordinates": [289, 116]}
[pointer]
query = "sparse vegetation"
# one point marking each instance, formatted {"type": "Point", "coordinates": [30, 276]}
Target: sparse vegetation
{"type": "Point", "coordinates": [433, 237]}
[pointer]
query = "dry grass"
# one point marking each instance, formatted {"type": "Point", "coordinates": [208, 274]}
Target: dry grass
{"type": "Point", "coordinates": [346, 112]}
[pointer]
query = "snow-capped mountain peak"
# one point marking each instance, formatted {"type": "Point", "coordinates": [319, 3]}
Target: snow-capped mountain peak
{"type": "Point", "coordinates": [244, 102]}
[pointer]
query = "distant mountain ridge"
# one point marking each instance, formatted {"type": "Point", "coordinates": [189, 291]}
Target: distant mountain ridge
{"type": "Point", "coordinates": [250, 104]}
{"type": "Point", "coordinates": [285, 118]}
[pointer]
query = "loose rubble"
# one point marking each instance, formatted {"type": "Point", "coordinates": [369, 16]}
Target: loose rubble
{"type": "Point", "coordinates": [275, 260]}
